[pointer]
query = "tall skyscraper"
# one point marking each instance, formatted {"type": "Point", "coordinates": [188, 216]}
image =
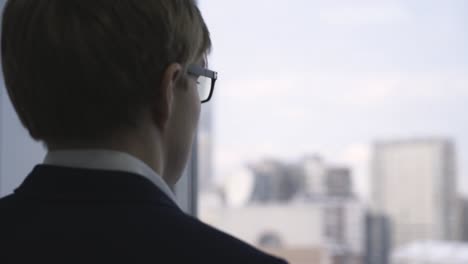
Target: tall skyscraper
{"type": "Point", "coordinates": [414, 184]}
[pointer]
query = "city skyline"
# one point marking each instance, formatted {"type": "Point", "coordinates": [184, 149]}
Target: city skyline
{"type": "Point", "coordinates": [332, 77]}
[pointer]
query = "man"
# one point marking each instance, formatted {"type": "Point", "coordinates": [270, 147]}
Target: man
{"type": "Point", "coordinates": [113, 88]}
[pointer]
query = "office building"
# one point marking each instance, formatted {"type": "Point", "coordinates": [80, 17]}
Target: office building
{"type": "Point", "coordinates": [333, 226]}
{"type": "Point", "coordinates": [377, 239]}
{"type": "Point", "coordinates": [338, 182]}
{"type": "Point", "coordinates": [464, 219]}
{"type": "Point", "coordinates": [414, 184]}
{"type": "Point", "coordinates": [275, 181]}
{"type": "Point", "coordinates": [314, 170]}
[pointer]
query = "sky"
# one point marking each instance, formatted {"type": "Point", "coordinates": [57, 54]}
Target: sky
{"type": "Point", "coordinates": [331, 77]}
{"type": "Point", "coordinates": [326, 77]}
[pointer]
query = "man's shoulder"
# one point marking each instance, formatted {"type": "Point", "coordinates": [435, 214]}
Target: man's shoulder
{"type": "Point", "coordinates": [11, 211]}
{"type": "Point", "coordinates": [8, 202]}
{"type": "Point", "coordinates": [141, 226]}
{"type": "Point", "coordinates": [218, 245]}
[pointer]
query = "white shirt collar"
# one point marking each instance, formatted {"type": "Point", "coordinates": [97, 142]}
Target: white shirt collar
{"type": "Point", "coordinates": [107, 160]}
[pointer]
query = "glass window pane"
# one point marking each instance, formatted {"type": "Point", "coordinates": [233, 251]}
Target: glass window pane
{"type": "Point", "coordinates": [338, 130]}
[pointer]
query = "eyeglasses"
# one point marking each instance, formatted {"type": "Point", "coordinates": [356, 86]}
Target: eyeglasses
{"type": "Point", "coordinates": [206, 81]}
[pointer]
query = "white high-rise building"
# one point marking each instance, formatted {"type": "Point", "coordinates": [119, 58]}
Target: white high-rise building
{"type": "Point", "coordinates": [315, 175]}
{"type": "Point", "coordinates": [414, 184]}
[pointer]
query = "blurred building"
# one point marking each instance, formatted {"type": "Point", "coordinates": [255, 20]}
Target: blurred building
{"type": "Point", "coordinates": [338, 182]}
{"type": "Point", "coordinates": [304, 211]}
{"type": "Point", "coordinates": [328, 229]}
{"type": "Point", "coordinates": [377, 239]}
{"type": "Point", "coordinates": [314, 171]}
{"type": "Point", "coordinates": [302, 255]}
{"type": "Point", "coordinates": [344, 228]}
{"type": "Point", "coordinates": [431, 252]}
{"type": "Point", "coordinates": [275, 182]}
{"type": "Point", "coordinates": [464, 218]}
{"type": "Point", "coordinates": [414, 184]}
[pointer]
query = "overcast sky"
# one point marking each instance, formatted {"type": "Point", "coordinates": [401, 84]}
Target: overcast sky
{"type": "Point", "coordinates": [330, 77]}
{"type": "Point", "coordinates": [333, 76]}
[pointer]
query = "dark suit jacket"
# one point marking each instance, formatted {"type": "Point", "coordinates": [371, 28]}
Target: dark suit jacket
{"type": "Point", "coordinates": [64, 215]}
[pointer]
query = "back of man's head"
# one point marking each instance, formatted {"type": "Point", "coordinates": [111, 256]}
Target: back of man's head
{"type": "Point", "coordinates": [81, 69]}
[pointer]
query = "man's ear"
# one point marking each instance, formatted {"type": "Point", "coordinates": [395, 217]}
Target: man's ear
{"type": "Point", "coordinates": [164, 104]}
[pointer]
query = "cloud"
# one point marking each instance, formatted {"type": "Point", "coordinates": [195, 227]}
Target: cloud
{"type": "Point", "coordinates": [347, 14]}
{"type": "Point", "coordinates": [379, 89]}
{"type": "Point", "coordinates": [296, 90]}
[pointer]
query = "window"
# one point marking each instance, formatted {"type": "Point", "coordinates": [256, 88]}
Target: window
{"type": "Point", "coordinates": [337, 130]}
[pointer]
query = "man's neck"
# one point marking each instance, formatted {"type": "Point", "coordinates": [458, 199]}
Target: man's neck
{"type": "Point", "coordinates": [144, 144]}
